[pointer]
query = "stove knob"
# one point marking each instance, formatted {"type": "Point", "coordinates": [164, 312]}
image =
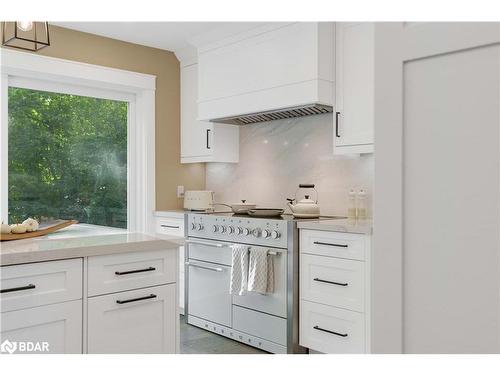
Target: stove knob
{"type": "Point", "coordinates": [239, 231]}
{"type": "Point", "coordinates": [230, 229]}
{"type": "Point", "coordinates": [246, 231]}
{"type": "Point", "coordinates": [199, 227]}
{"type": "Point", "coordinates": [256, 232]}
{"type": "Point", "coordinates": [266, 233]}
{"type": "Point", "coordinates": [275, 234]}
{"type": "Point", "coordinates": [193, 226]}
{"type": "Point", "coordinates": [222, 229]}
{"type": "Point", "coordinates": [215, 228]}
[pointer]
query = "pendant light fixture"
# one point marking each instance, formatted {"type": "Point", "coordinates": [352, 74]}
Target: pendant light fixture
{"type": "Point", "coordinates": [26, 35]}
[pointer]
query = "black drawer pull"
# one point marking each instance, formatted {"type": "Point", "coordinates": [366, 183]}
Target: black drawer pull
{"type": "Point", "coordinates": [329, 244]}
{"type": "Point", "coordinates": [135, 271]}
{"type": "Point", "coordinates": [330, 282]}
{"type": "Point", "coordinates": [121, 302]}
{"type": "Point", "coordinates": [8, 290]}
{"type": "Point", "coordinates": [337, 124]}
{"type": "Point", "coordinates": [169, 226]}
{"type": "Point", "coordinates": [332, 332]}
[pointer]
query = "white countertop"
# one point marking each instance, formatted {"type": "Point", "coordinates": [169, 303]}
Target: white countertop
{"type": "Point", "coordinates": [80, 240]}
{"type": "Point", "coordinates": [339, 225]}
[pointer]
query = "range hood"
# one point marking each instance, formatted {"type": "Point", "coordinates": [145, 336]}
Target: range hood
{"type": "Point", "coordinates": [279, 71]}
{"type": "Point", "coordinates": [279, 114]}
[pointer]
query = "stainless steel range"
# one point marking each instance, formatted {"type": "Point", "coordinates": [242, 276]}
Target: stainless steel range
{"type": "Point", "coordinates": [268, 322]}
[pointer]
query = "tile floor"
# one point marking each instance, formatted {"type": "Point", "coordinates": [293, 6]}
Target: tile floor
{"type": "Point", "coordinates": [195, 340]}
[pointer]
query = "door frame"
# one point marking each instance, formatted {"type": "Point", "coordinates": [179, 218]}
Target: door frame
{"type": "Point", "coordinates": [91, 80]}
{"type": "Point", "coordinates": [397, 43]}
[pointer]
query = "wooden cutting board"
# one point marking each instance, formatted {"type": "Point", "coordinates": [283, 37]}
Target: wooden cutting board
{"type": "Point", "coordinates": [45, 228]}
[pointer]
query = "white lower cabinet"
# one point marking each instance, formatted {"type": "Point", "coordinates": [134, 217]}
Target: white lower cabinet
{"type": "Point", "coordinates": [334, 278]}
{"type": "Point", "coordinates": [130, 305]}
{"type": "Point", "coordinates": [328, 329]}
{"type": "Point", "coordinates": [138, 321]}
{"type": "Point", "coordinates": [53, 329]}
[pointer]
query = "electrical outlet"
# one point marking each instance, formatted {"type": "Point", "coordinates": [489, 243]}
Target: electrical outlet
{"type": "Point", "coordinates": [180, 191]}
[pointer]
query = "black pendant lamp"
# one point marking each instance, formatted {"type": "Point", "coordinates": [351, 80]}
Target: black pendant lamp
{"type": "Point", "coordinates": [26, 35]}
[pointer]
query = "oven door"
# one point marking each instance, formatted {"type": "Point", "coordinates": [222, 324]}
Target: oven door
{"type": "Point", "coordinates": [275, 303]}
{"type": "Point", "coordinates": [208, 282]}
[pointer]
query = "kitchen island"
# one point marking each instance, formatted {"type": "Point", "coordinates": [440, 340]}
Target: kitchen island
{"type": "Point", "coordinates": [90, 290]}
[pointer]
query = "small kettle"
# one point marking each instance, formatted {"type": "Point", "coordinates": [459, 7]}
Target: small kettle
{"type": "Point", "coordinates": [304, 208]}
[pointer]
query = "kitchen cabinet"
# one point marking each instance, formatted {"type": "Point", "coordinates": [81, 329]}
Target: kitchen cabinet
{"type": "Point", "coordinates": [139, 312]}
{"type": "Point", "coordinates": [354, 87]}
{"type": "Point", "coordinates": [42, 303]}
{"type": "Point", "coordinates": [203, 141]}
{"type": "Point", "coordinates": [123, 302]}
{"type": "Point", "coordinates": [58, 325]}
{"type": "Point", "coordinates": [274, 66]}
{"type": "Point", "coordinates": [171, 224]}
{"type": "Point", "coordinates": [136, 321]}
{"type": "Point", "coordinates": [334, 282]}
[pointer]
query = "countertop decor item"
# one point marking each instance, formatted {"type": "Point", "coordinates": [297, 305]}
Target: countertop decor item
{"type": "Point", "coordinates": [26, 35]}
{"type": "Point", "coordinates": [43, 229]}
{"type": "Point", "coordinates": [305, 208]}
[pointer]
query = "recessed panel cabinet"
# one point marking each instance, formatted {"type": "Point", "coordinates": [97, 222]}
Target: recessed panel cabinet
{"type": "Point", "coordinates": [354, 87]}
{"type": "Point", "coordinates": [203, 141]}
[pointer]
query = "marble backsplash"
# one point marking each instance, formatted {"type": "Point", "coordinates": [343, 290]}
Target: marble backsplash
{"type": "Point", "coordinates": [276, 156]}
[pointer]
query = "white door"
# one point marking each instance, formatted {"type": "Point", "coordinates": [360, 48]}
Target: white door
{"type": "Point", "coordinates": [141, 321]}
{"type": "Point", "coordinates": [59, 325]}
{"type": "Point", "coordinates": [436, 200]}
{"type": "Point", "coordinates": [354, 97]}
{"type": "Point", "coordinates": [196, 136]}
{"type": "Point", "coordinates": [208, 296]}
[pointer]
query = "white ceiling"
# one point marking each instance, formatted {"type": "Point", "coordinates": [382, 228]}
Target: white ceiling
{"type": "Point", "coordinates": [171, 36]}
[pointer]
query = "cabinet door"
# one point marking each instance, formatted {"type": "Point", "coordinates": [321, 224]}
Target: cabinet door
{"type": "Point", "coordinates": [196, 137]}
{"type": "Point", "coordinates": [354, 103]}
{"type": "Point", "coordinates": [137, 321]}
{"type": "Point", "coordinates": [57, 327]}
{"type": "Point", "coordinates": [203, 141]}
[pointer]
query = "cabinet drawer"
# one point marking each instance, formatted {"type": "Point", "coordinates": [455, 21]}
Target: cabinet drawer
{"type": "Point", "coordinates": [170, 226]}
{"type": "Point", "coordinates": [137, 321]}
{"type": "Point", "coordinates": [333, 244]}
{"type": "Point", "coordinates": [35, 284]}
{"type": "Point", "coordinates": [331, 330]}
{"type": "Point", "coordinates": [119, 272]}
{"type": "Point", "coordinates": [333, 281]}
{"type": "Point", "coordinates": [268, 327]}
{"type": "Point", "coordinates": [57, 327]}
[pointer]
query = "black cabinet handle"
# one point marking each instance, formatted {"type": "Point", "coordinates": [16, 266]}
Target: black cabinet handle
{"type": "Point", "coordinates": [329, 244]}
{"type": "Point", "coordinates": [306, 186]}
{"type": "Point", "coordinates": [332, 332]}
{"type": "Point", "coordinates": [121, 302]}
{"type": "Point", "coordinates": [337, 124]}
{"type": "Point", "coordinates": [208, 136]}
{"type": "Point", "coordinates": [135, 271]}
{"type": "Point", "coordinates": [26, 287]}
{"type": "Point", "coordinates": [330, 282]}
{"type": "Point", "coordinates": [169, 226]}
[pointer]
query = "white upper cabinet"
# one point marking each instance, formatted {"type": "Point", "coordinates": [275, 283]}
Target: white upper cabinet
{"type": "Point", "coordinates": [203, 141]}
{"type": "Point", "coordinates": [278, 65]}
{"type": "Point", "coordinates": [354, 99]}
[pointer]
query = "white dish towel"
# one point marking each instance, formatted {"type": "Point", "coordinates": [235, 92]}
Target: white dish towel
{"type": "Point", "coordinates": [239, 270]}
{"type": "Point", "coordinates": [260, 271]}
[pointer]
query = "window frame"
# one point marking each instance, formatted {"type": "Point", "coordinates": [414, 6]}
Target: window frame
{"type": "Point", "coordinates": [19, 69]}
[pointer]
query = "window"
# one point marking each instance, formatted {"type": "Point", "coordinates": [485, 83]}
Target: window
{"type": "Point", "coordinates": [67, 157]}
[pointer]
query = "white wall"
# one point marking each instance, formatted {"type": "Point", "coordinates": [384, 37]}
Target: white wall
{"type": "Point", "coordinates": [276, 156]}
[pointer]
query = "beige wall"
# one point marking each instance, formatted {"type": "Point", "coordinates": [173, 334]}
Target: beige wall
{"type": "Point", "coordinates": [93, 49]}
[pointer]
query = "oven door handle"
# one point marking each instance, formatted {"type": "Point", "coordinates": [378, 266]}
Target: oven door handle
{"type": "Point", "coordinates": [216, 269]}
{"type": "Point", "coordinates": [211, 244]}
